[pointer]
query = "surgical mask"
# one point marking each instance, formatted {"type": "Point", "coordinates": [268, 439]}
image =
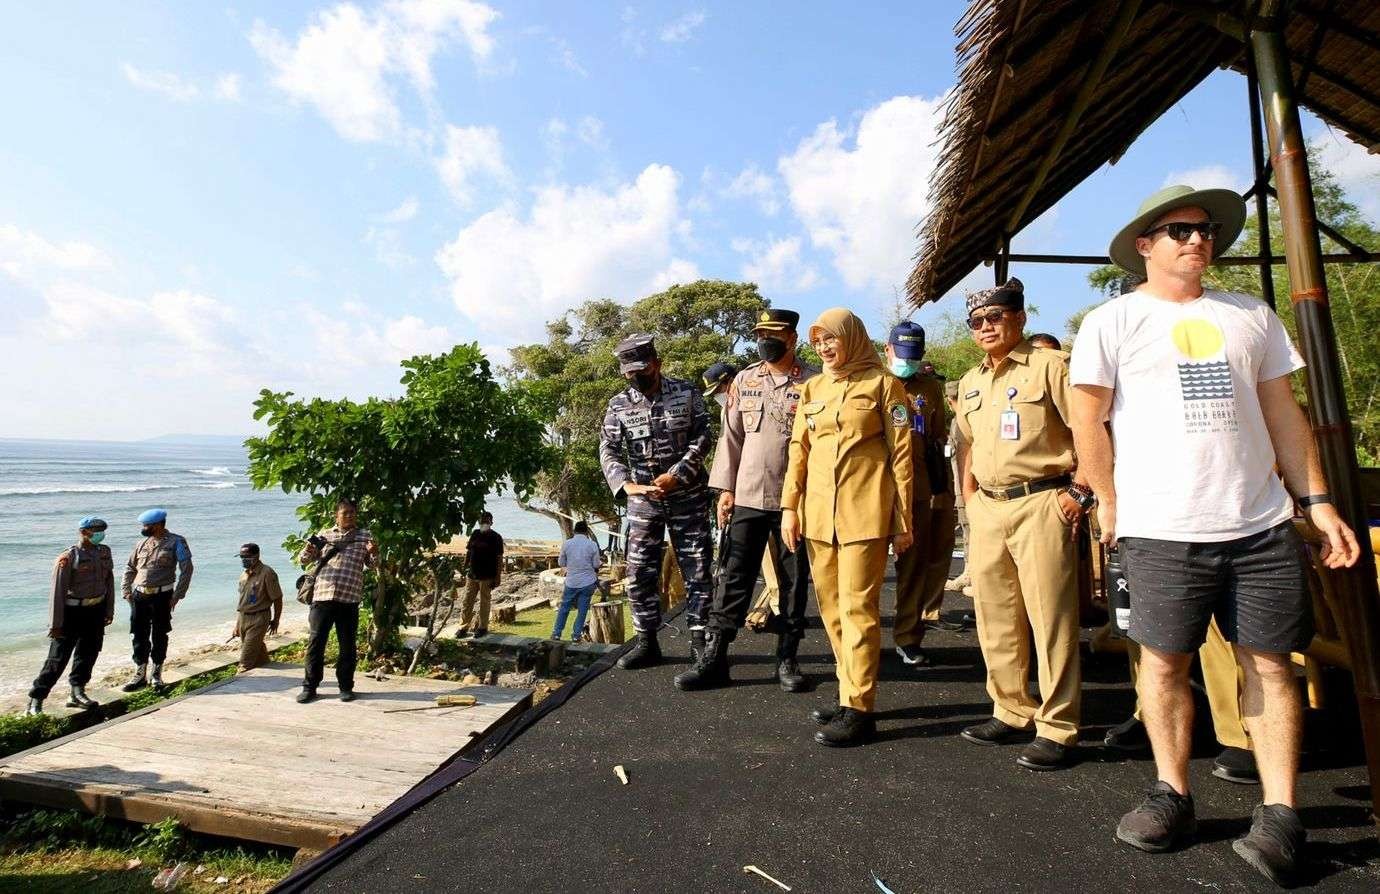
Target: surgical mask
{"type": "Point", "coordinates": [247, 562]}
{"type": "Point", "coordinates": [644, 381]}
{"type": "Point", "coordinates": [771, 349]}
{"type": "Point", "coordinates": [722, 398]}
{"type": "Point", "coordinates": [97, 536]}
{"type": "Point", "coordinates": [146, 530]}
{"type": "Point", "coordinates": [485, 527]}
{"type": "Point", "coordinates": [904, 369]}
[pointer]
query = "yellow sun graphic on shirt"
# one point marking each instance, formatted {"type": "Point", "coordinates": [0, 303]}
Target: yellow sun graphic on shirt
{"type": "Point", "coordinates": [1197, 339]}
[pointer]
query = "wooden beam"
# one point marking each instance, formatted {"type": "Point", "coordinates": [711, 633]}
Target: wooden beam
{"type": "Point", "coordinates": [1126, 15]}
{"type": "Point", "coordinates": [1228, 261]}
{"type": "Point", "coordinates": [1333, 234]}
{"type": "Point", "coordinates": [1368, 39]}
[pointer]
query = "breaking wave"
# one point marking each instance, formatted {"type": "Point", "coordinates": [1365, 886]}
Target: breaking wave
{"type": "Point", "coordinates": [214, 470]}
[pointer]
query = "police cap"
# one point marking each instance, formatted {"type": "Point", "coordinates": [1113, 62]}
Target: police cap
{"type": "Point", "coordinates": [153, 517]}
{"type": "Point", "coordinates": [776, 319]}
{"type": "Point", "coordinates": [1010, 296]}
{"type": "Point", "coordinates": [719, 374]}
{"type": "Point", "coordinates": [92, 523]}
{"type": "Point", "coordinates": [636, 352]}
{"type": "Point", "coordinates": [249, 551]}
{"type": "Point", "coordinates": [907, 340]}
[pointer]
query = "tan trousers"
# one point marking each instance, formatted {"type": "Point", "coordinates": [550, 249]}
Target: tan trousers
{"type": "Point", "coordinates": [848, 585]}
{"type": "Point", "coordinates": [940, 553]}
{"type": "Point", "coordinates": [1221, 679]}
{"type": "Point", "coordinates": [911, 568]}
{"type": "Point", "coordinates": [253, 629]}
{"type": "Point", "coordinates": [1022, 562]}
{"type": "Point", "coordinates": [481, 588]}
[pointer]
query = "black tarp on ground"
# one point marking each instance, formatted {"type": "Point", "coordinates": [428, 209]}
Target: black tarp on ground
{"type": "Point", "coordinates": [719, 780]}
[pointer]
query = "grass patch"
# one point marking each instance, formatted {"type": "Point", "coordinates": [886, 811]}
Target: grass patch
{"type": "Point", "coordinates": [538, 622]}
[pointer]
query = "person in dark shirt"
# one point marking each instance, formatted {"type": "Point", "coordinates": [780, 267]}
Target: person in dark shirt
{"type": "Point", "coordinates": [484, 558]}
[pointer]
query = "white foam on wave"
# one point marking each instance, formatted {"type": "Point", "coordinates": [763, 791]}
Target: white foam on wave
{"type": "Point", "coordinates": [88, 489]}
{"type": "Point", "coordinates": [218, 485]}
{"type": "Point", "coordinates": [214, 470]}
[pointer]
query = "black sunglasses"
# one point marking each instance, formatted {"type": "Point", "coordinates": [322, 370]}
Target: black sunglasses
{"type": "Point", "coordinates": [992, 316]}
{"type": "Point", "coordinates": [1180, 232]}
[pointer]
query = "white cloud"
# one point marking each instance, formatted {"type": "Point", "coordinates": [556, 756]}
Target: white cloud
{"type": "Point", "coordinates": [470, 151]}
{"type": "Point", "coordinates": [510, 273]}
{"type": "Point", "coordinates": [31, 259]}
{"type": "Point", "coordinates": [1357, 171]}
{"type": "Point", "coordinates": [590, 131]}
{"type": "Point", "coordinates": [360, 338]}
{"type": "Point", "coordinates": [401, 214]}
{"type": "Point", "coordinates": [229, 87]}
{"type": "Point", "coordinates": [346, 62]}
{"type": "Point", "coordinates": [632, 35]}
{"type": "Point", "coordinates": [388, 247]}
{"type": "Point", "coordinates": [776, 265]}
{"type": "Point", "coordinates": [682, 29]}
{"type": "Point", "coordinates": [164, 83]}
{"type": "Point", "coordinates": [753, 183]}
{"type": "Point", "coordinates": [862, 202]}
{"type": "Point", "coordinates": [1208, 177]}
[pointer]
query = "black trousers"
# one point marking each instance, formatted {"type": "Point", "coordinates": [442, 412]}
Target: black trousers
{"type": "Point", "coordinates": [83, 632]}
{"type": "Point", "coordinates": [150, 622]}
{"type": "Point", "coordinates": [749, 531]}
{"type": "Point", "coordinates": [344, 617]}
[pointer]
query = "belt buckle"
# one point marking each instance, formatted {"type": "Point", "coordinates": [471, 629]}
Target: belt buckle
{"type": "Point", "coordinates": [1001, 496]}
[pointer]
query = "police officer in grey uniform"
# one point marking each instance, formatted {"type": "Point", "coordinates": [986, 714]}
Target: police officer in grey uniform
{"type": "Point", "coordinates": [654, 442]}
{"type": "Point", "coordinates": [749, 470]}
{"type": "Point", "coordinates": [156, 579]}
{"type": "Point", "coordinates": [82, 606]}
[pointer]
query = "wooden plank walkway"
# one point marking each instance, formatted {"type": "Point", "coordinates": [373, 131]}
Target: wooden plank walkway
{"type": "Point", "coordinates": [242, 759]}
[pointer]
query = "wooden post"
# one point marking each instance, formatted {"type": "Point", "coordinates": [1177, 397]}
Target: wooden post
{"type": "Point", "coordinates": [606, 621]}
{"type": "Point", "coordinates": [1356, 588]}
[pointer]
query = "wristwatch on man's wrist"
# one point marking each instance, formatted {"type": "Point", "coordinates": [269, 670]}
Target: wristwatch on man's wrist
{"type": "Point", "coordinates": [1082, 496]}
{"type": "Point", "coordinates": [1313, 500]}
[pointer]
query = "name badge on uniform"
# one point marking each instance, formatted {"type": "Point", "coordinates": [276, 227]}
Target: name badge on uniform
{"type": "Point", "coordinates": [917, 421]}
{"type": "Point", "coordinates": [1010, 429]}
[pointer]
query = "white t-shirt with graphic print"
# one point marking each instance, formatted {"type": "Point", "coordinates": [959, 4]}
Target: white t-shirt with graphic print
{"type": "Point", "coordinates": [1194, 460]}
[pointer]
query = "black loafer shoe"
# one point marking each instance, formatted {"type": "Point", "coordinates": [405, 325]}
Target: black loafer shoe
{"type": "Point", "coordinates": [992, 732]}
{"type": "Point", "coordinates": [1043, 754]}
{"type": "Point", "coordinates": [825, 716]}
{"type": "Point", "coordinates": [1129, 737]}
{"type": "Point", "coordinates": [1236, 765]}
{"type": "Point", "coordinates": [913, 656]}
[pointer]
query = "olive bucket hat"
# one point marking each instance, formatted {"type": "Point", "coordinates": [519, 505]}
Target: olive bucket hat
{"type": "Point", "coordinates": [1222, 205]}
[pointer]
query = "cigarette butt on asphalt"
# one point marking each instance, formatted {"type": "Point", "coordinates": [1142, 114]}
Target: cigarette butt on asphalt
{"type": "Point", "coordinates": [621, 774]}
{"type": "Point", "coordinates": [755, 871]}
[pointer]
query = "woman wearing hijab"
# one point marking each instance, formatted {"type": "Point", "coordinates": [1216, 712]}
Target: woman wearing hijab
{"type": "Point", "coordinates": [848, 494]}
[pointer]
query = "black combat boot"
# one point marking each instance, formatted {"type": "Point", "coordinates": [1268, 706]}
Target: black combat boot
{"type": "Point", "coordinates": [138, 681]}
{"type": "Point", "coordinates": [157, 679]}
{"type": "Point", "coordinates": [711, 670]}
{"type": "Point", "coordinates": [697, 641]}
{"type": "Point", "coordinates": [79, 699]}
{"type": "Point", "coordinates": [788, 669]}
{"type": "Point", "coordinates": [849, 727]}
{"type": "Point", "coordinates": [35, 707]}
{"type": "Point", "coordinates": [647, 653]}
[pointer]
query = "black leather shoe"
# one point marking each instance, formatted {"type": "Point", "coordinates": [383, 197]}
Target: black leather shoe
{"type": "Point", "coordinates": [1236, 765]}
{"type": "Point", "coordinates": [825, 716]}
{"type": "Point", "coordinates": [789, 676]}
{"type": "Point", "coordinates": [1043, 754]}
{"type": "Point", "coordinates": [646, 653]}
{"type": "Point", "coordinates": [992, 732]}
{"type": "Point", "coordinates": [1129, 736]}
{"type": "Point", "coordinates": [848, 728]}
{"type": "Point", "coordinates": [913, 656]}
{"type": "Point", "coordinates": [79, 699]}
{"type": "Point", "coordinates": [347, 695]}
{"type": "Point", "coordinates": [35, 707]}
{"type": "Point", "coordinates": [306, 695]}
{"type": "Point", "coordinates": [711, 668]}
{"type": "Point", "coordinates": [481, 632]}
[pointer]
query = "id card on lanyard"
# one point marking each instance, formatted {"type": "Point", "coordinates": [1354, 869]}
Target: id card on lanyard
{"type": "Point", "coordinates": [1010, 428]}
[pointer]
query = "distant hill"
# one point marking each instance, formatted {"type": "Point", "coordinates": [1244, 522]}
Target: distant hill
{"type": "Point", "coordinates": [198, 440]}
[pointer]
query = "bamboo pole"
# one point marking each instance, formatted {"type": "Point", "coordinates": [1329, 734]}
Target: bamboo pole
{"type": "Point", "coordinates": [1356, 588]}
{"type": "Point", "coordinates": [1262, 201]}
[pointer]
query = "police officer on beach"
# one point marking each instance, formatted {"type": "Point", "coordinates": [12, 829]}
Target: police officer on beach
{"type": "Point", "coordinates": [749, 471]}
{"type": "Point", "coordinates": [81, 607]}
{"type": "Point", "coordinates": [260, 607]}
{"type": "Point", "coordinates": [653, 447]}
{"type": "Point", "coordinates": [156, 579]}
{"type": "Point", "coordinates": [1016, 460]}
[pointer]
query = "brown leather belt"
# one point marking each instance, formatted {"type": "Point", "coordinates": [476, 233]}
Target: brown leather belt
{"type": "Point", "coordinates": [1027, 488]}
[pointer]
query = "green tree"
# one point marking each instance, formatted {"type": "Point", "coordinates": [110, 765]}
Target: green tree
{"type": "Point", "coordinates": [950, 347]}
{"type": "Point", "coordinates": [420, 466]}
{"type": "Point", "coordinates": [569, 378]}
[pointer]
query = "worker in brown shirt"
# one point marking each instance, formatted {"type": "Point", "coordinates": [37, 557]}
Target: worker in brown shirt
{"type": "Point", "coordinates": [260, 607]}
{"type": "Point", "coordinates": [1016, 460]}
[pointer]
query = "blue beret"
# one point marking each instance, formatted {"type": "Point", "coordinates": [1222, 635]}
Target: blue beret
{"type": "Point", "coordinates": [92, 523]}
{"type": "Point", "coordinates": [153, 517]}
{"type": "Point", "coordinates": [907, 340]}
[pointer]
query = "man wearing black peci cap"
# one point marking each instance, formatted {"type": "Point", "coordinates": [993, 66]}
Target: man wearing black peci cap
{"type": "Point", "coordinates": [81, 607]}
{"type": "Point", "coordinates": [260, 607]}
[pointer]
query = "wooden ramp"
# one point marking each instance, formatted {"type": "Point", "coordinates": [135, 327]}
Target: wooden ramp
{"type": "Point", "coordinates": [241, 758]}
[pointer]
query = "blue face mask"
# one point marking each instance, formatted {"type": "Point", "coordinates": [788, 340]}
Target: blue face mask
{"type": "Point", "coordinates": [904, 369]}
{"type": "Point", "coordinates": [97, 536]}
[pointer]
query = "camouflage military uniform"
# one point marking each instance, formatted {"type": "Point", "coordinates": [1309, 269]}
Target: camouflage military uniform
{"type": "Point", "coordinates": [645, 437]}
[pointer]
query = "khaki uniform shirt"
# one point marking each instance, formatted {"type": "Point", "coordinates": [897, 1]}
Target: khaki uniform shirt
{"type": "Point", "coordinates": [750, 461]}
{"type": "Point", "coordinates": [926, 395]}
{"type": "Point", "coordinates": [259, 589]}
{"type": "Point", "coordinates": [82, 573]}
{"type": "Point", "coordinates": [1033, 383]}
{"type": "Point", "coordinates": [158, 562]}
{"type": "Point", "coordinates": [850, 475]}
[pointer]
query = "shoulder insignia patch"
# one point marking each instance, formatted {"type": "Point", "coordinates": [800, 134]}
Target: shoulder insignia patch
{"type": "Point", "coordinates": [974, 393]}
{"type": "Point", "coordinates": [899, 417]}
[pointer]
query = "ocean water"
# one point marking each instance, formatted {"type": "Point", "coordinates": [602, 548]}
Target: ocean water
{"type": "Point", "coordinates": [46, 487]}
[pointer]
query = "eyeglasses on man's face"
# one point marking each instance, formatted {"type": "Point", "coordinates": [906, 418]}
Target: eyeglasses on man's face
{"type": "Point", "coordinates": [992, 317]}
{"type": "Point", "coordinates": [1181, 231]}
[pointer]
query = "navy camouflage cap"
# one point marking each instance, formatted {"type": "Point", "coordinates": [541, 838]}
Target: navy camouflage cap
{"type": "Point", "coordinates": [719, 374]}
{"type": "Point", "coordinates": [635, 353]}
{"type": "Point", "coordinates": [1010, 296]}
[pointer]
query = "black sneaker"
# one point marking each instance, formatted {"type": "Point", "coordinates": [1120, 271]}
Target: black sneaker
{"type": "Point", "coordinates": [992, 732]}
{"type": "Point", "coordinates": [1129, 737]}
{"type": "Point", "coordinates": [790, 678]}
{"type": "Point", "coordinates": [306, 695]}
{"type": "Point", "coordinates": [1043, 754]}
{"type": "Point", "coordinates": [913, 656]}
{"type": "Point", "coordinates": [1274, 844]}
{"type": "Point", "coordinates": [646, 653]}
{"type": "Point", "coordinates": [1236, 765]}
{"type": "Point", "coordinates": [1164, 817]}
{"type": "Point", "coordinates": [848, 728]}
{"type": "Point", "coordinates": [825, 716]}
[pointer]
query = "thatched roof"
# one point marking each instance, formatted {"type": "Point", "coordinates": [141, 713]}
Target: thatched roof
{"type": "Point", "coordinates": [1022, 65]}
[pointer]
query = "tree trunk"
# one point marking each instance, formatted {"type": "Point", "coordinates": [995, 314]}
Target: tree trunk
{"type": "Point", "coordinates": [606, 621]}
{"type": "Point", "coordinates": [566, 525]}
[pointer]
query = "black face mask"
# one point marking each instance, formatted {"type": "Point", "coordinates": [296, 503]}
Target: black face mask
{"type": "Point", "coordinates": [146, 530]}
{"type": "Point", "coordinates": [771, 349]}
{"type": "Point", "coordinates": [644, 381]}
{"type": "Point", "coordinates": [247, 563]}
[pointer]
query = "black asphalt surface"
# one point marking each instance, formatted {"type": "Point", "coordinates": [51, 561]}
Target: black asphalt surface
{"type": "Point", "coordinates": [724, 779]}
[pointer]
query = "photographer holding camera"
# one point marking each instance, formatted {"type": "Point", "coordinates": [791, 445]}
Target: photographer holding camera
{"type": "Point", "coordinates": [341, 553]}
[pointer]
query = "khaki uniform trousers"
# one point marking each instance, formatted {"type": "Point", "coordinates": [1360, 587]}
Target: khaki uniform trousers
{"type": "Point", "coordinates": [253, 629]}
{"type": "Point", "coordinates": [911, 569]}
{"type": "Point", "coordinates": [1023, 563]}
{"type": "Point", "coordinates": [481, 588]}
{"type": "Point", "coordinates": [1221, 679]}
{"type": "Point", "coordinates": [848, 584]}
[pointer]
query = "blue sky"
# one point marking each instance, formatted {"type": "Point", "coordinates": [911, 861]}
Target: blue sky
{"type": "Point", "coordinates": [196, 201]}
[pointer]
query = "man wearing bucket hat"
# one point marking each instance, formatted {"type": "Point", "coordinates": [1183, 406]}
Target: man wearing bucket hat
{"type": "Point", "coordinates": [156, 579]}
{"type": "Point", "coordinates": [81, 607]}
{"type": "Point", "coordinates": [1202, 376]}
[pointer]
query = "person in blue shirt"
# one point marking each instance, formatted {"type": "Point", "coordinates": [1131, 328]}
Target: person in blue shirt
{"type": "Point", "coordinates": [581, 559]}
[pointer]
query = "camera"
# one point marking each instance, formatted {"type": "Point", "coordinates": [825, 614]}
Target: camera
{"type": "Point", "coordinates": [317, 540]}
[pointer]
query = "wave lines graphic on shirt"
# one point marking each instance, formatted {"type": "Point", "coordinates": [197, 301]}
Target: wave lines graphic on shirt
{"type": "Point", "coordinates": [1206, 381]}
